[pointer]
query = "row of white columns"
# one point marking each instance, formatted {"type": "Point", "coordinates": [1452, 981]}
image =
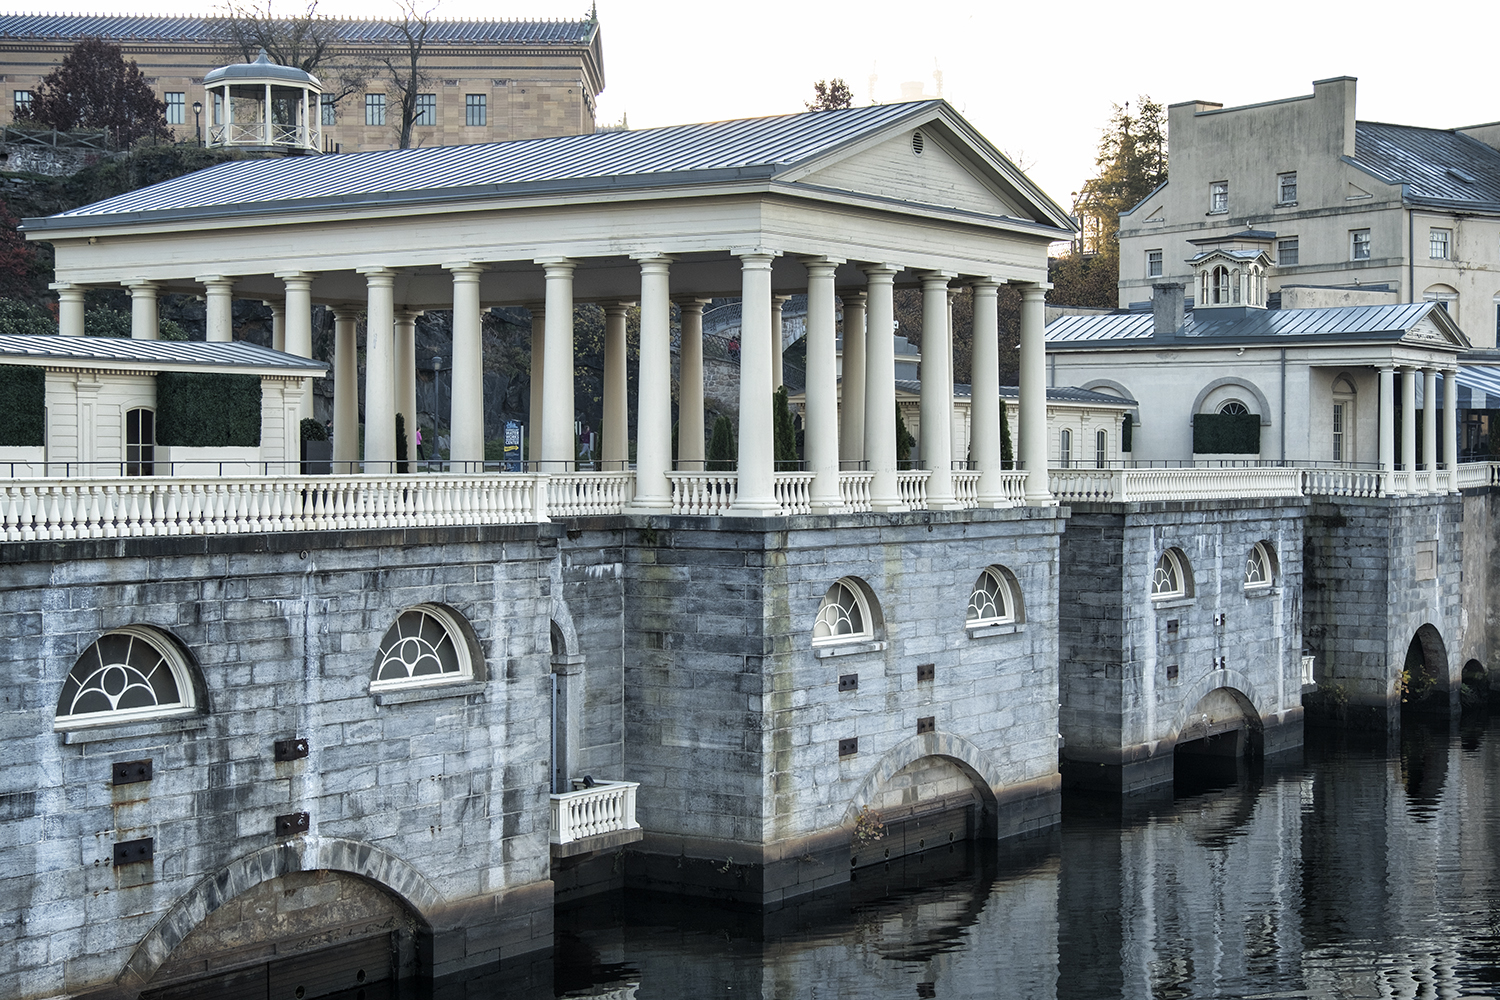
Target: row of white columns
{"type": "Point", "coordinates": [1425, 478]}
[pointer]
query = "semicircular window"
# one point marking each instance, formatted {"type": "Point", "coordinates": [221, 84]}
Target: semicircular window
{"type": "Point", "coordinates": [994, 599]}
{"type": "Point", "coordinates": [424, 646]}
{"type": "Point", "coordinates": [842, 617]}
{"type": "Point", "coordinates": [130, 673]}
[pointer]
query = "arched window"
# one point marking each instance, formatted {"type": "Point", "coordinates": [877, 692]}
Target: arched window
{"type": "Point", "coordinates": [128, 674]}
{"type": "Point", "coordinates": [995, 600]}
{"type": "Point", "coordinates": [1234, 284]}
{"type": "Point", "coordinates": [140, 442]}
{"type": "Point", "coordinates": [1172, 577]}
{"type": "Point", "coordinates": [1064, 448]}
{"type": "Point", "coordinates": [844, 615]}
{"type": "Point", "coordinates": [426, 645]}
{"type": "Point", "coordinates": [1101, 449]}
{"type": "Point", "coordinates": [1260, 567]}
{"type": "Point", "coordinates": [1221, 285]}
{"type": "Point", "coordinates": [1234, 406]}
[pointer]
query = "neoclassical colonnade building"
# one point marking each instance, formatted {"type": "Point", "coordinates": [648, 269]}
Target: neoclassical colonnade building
{"type": "Point", "coordinates": [840, 204]}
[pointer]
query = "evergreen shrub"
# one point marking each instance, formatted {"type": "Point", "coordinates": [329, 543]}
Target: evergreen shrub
{"type": "Point", "coordinates": [23, 406]}
{"type": "Point", "coordinates": [207, 410]}
{"type": "Point", "coordinates": [1226, 434]}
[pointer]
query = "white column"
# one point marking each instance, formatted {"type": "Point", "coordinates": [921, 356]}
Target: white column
{"type": "Point", "coordinates": [143, 316]}
{"type": "Point", "coordinates": [937, 391]}
{"type": "Point", "coordinates": [1450, 426]}
{"type": "Point", "coordinates": [880, 388]}
{"type": "Point", "coordinates": [822, 409]}
{"type": "Point", "coordinates": [558, 447]}
{"type": "Point", "coordinates": [278, 323]}
{"type": "Point", "coordinates": [1388, 426]}
{"type": "Point", "coordinates": [1429, 431]}
{"type": "Point", "coordinates": [653, 431]}
{"type": "Point", "coordinates": [406, 376]}
{"type": "Point", "coordinates": [690, 429]}
{"type": "Point", "coordinates": [852, 382]}
{"type": "Point", "coordinates": [69, 308]}
{"type": "Point", "coordinates": [984, 400]}
{"type": "Point", "coordinates": [1033, 402]}
{"type": "Point", "coordinates": [466, 402]}
{"type": "Point", "coordinates": [296, 323]}
{"type": "Point", "coordinates": [1409, 429]}
{"type": "Point", "coordinates": [266, 115]}
{"type": "Point", "coordinates": [616, 451]}
{"type": "Point", "coordinates": [777, 341]}
{"type": "Point", "coordinates": [380, 372]}
{"type": "Point", "coordinates": [345, 390]}
{"type": "Point", "coordinates": [218, 298]}
{"type": "Point", "coordinates": [757, 475]}
{"type": "Point", "coordinates": [538, 372]}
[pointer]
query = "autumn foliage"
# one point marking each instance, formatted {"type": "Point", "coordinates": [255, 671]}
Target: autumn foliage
{"type": "Point", "coordinates": [95, 88]}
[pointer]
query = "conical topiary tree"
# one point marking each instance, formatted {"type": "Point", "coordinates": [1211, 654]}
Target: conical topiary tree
{"type": "Point", "coordinates": [785, 432]}
{"type": "Point", "coordinates": [1007, 450]}
{"type": "Point", "coordinates": [904, 440]}
{"type": "Point", "coordinates": [722, 455]}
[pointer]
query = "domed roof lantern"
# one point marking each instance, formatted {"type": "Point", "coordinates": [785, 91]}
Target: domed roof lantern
{"type": "Point", "coordinates": [265, 107]}
{"type": "Point", "coordinates": [260, 70]}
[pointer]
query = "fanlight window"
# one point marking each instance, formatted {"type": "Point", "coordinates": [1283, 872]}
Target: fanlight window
{"type": "Point", "coordinates": [842, 617]}
{"type": "Point", "coordinates": [131, 673]}
{"type": "Point", "coordinates": [1170, 578]}
{"type": "Point", "coordinates": [1260, 567]}
{"type": "Point", "coordinates": [424, 646]}
{"type": "Point", "coordinates": [995, 600]}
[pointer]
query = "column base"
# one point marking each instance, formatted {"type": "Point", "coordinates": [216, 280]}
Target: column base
{"type": "Point", "coordinates": [1041, 500]}
{"type": "Point", "coordinates": [829, 508]}
{"type": "Point", "coordinates": [947, 504]}
{"type": "Point", "coordinates": [993, 503]}
{"type": "Point", "coordinates": [889, 506]}
{"type": "Point", "coordinates": [653, 504]}
{"type": "Point", "coordinates": [755, 509]}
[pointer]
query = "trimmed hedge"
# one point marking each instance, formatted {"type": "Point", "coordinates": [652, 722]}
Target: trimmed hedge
{"type": "Point", "coordinates": [207, 410]}
{"type": "Point", "coordinates": [23, 406]}
{"type": "Point", "coordinates": [1226, 434]}
{"type": "Point", "coordinates": [1127, 433]}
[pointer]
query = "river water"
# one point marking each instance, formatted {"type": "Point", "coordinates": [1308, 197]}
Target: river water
{"type": "Point", "coordinates": [1359, 868]}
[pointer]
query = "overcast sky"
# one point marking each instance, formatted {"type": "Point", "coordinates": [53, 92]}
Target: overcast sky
{"type": "Point", "coordinates": [1038, 79]}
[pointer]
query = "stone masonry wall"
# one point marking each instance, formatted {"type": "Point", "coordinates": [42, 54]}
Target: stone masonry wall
{"type": "Point", "coordinates": [438, 794]}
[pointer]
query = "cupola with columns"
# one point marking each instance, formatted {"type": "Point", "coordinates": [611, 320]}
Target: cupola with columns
{"type": "Point", "coordinates": [1230, 271]}
{"type": "Point", "coordinates": [264, 107]}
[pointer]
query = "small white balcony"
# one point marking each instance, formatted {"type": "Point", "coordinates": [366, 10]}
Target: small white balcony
{"type": "Point", "coordinates": [597, 818]}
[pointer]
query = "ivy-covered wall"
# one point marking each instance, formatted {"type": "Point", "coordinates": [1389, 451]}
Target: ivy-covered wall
{"type": "Point", "coordinates": [23, 406]}
{"type": "Point", "coordinates": [1226, 434]}
{"type": "Point", "coordinates": [207, 410]}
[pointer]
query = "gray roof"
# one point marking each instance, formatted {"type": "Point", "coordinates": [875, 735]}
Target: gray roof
{"type": "Point", "coordinates": [1432, 162]}
{"type": "Point", "coordinates": [349, 31]}
{"type": "Point", "coordinates": [261, 69]}
{"type": "Point", "coordinates": [154, 354]}
{"type": "Point", "coordinates": [1062, 394]}
{"type": "Point", "coordinates": [747, 149]}
{"type": "Point", "coordinates": [1246, 326]}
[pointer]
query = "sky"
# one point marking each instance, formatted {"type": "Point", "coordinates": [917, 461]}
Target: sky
{"type": "Point", "coordinates": [1039, 80]}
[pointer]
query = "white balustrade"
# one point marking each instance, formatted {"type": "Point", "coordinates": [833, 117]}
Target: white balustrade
{"type": "Point", "coordinates": [854, 487]}
{"type": "Point", "coordinates": [1013, 487]}
{"type": "Point", "coordinates": [608, 807]}
{"type": "Point", "coordinates": [706, 494]}
{"type": "Point", "coordinates": [1473, 475]}
{"type": "Point", "coordinates": [966, 488]}
{"type": "Point", "coordinates": [1343, 482]}
{"type": "Point", "coordinates": [575, 494]}
{"type": "Point", "coordinates": [792, 492]}
{"type": "Point", "coordinates": [1141, 485]}
{"type": "Point", "coordinates": [911, 486]}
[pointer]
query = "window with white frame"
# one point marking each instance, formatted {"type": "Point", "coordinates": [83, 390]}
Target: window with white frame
{"type": "Point", "coordinates": [126, 675]}
{"type": "Point", "coordinates": [1287, 252]}
{"type": "Point", "coordinates": [1219, 281]}
{"type": "Point", "coordinates": [995, 599]}
{"type": "Point", "coordinates": [1260, 567]}
{"type": "Point", "coordinates": [1438, 243]}
{"type": "Point", "coordinates": [22, 99]}
{"type": "Point", "coordinates": [1286, 188]}
{"type": "Point", "coordinates": [1218, 197]}
{"type": "Point", "coordinates": [1172, 577]}
{"type": "Point", "coordinates": [374, 109]}
{"type": "Point", "coordinates": [476, 110]}
{"type": "Point", "coordinates": [176, 107]}
{"type": "Point", "coordinates": [1064, 448]}
{"type": "Point", "coordinates": [1153, 263]}
{"type": "Point", "coordinates": [1234, 407]}
{"type": "Point", "coordinates": [843, 616]}
{"type": "Point", "coordinates": [140, 442]}
{"type": "Point", "coordinates": [1101, 449]}
{"type": "Point", "coordinates": [1338, 432]}
{"type": "Point", "coordinates": [425, 645]}
{"type": "Point", "coordinates": [328, 109]}
{"type": "Point", "coordinates": [1359, 244]}
{"type": "Point", "coordinates": [426, 110]}
{"type": "Point", "coordinates": [1443, 296]}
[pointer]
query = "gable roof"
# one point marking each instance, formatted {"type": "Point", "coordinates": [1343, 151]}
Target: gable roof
{"type": "Point", "coordinates": [1211, 327]}
{"type": "Point", "coordinates": [119, 353]}
{"type": "Point", "coordinates": [1440, 167]}
{"type": "Point", "coordinates": [348, 31]}
{"type": "Point", "coordinates": [759, 150]}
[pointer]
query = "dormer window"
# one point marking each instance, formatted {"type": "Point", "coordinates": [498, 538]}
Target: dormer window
{"type": "Point", "coordinates": [1218, 198]}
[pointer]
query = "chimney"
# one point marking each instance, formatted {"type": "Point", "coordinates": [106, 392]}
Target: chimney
{"type": "Point", "coordinates": [1166, 309]}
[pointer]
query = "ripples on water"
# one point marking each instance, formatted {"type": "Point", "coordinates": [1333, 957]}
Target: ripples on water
{"type": "Point", "coordinates": [1362, 870]}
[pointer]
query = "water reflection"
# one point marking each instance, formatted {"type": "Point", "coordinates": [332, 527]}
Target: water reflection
{"type": "Point", "coordinates": [1367, 869]}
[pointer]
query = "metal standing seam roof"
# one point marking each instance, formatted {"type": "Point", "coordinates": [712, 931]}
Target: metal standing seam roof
{"type": "Point", "coordinates": [1060, 394]}
{"type": "Point", "coordinates": [745, 148]}
{"type": "Point", "coordinates": [186, 353]}
{"type": "Point", "coordinates": [1431, 162]}
{"type": "Point", "coordinates": [349, 31]}
{"type": "Point", "coordinates": [1478, 387]}
{"type": "Point", "coordinates": [1333, 323]}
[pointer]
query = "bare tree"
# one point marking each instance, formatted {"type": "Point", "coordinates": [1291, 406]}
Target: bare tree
{"type": "Point", "coordinates": [308, 41]}
{"type": "Point", "coordinates": [405, 76]}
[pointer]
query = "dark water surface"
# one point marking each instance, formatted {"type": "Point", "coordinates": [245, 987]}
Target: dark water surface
{"type": "Point", "coordinates": [1361, 868]}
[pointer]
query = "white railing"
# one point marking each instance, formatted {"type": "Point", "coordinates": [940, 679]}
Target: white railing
{"type": "Point", "coordinates": [1344, 482]}
{"type": "Point", "coordinates": [608, 807]}
{"type": "Point", "coordinates": [793, 492]}
{"type": "Point", "coordinates": [705, 494]}
{"type": "Point", "coordinates": [966, 488]}
{"type": "Point", "coordinates": [575, 494]}
{"type": "Point", "coordinates": [1013, 486]}
{"type": "Point", "coordinates": [1140, 485]}
{"type": "Point", "coordinates": [1472, 475]}
{"type": "Point", "coordinates": [911, 487]}
{"type": "Point", "coordinates": [854, 487]}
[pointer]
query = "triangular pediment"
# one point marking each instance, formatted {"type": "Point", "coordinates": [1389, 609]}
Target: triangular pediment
{"type": "Point", "coordinates": [933, 159]}
{"type": "Point", "coordinates": [1353, 192]}
{"type": "Point", "coordinates": [1436, 328]}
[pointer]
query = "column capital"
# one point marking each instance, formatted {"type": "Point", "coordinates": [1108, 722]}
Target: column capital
{"type": "Point", "coordinates": [275, 305]}
{"type": "Point", "coordinates": [408, 315]}
{"type": "Point", "coordinates": [757, 254]}
{"type": "Point", "coordinates": [885, 272]}
{"type": "Point", "coordinates": [556, 265]}
{"type": "Point", "coordinates": [990, 283]}
{"type": "Point", "coordinates": [855, 296]}
{"type": "Point", "coordinates": [67, 286]}
{"type": "Point", "coordinates": [380, 277]}
{"type": "Point", "coordinates": [823, 263]}
{"type": "Point", "coordinates": [935, 277]}
{"type": "Point", "coordinates": [464, 270]}
{"type": "Point", "coordinates": [215, 280]}
{"type": "Point", "coordinates": [647, 256]}
{"type": "Point", "coordinates": [144, 284]}
{"type": "Point", "coordinates": [690, 302]}
{"type": "Point", "coordinates": [780, 300]}
{"type": "Point", "coordinates": [291, 276]}
{"type": "Point", "coordinates": [1033, 291]}
{"type": "Point", "coordinates": [345, 310]}
{"type": "Point", "coordinates": [617, 308]}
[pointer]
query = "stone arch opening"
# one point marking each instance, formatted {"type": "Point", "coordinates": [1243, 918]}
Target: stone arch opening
{"type": "Point", "coordinates": [567, 708]}
{"type": "Point", "coordinates": [1423, 680]}
{"type": "Point", "coordinates": [1222, 725]}
{"type": "Point", "coordinates": [1476, 691]}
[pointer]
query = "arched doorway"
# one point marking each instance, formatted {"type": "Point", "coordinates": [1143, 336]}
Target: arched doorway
{"type": "Point", "coordinates": [1218, 736]}
{"type": "Point", "coordinates": [1423, 680]}
{"type": "Point", "coordinates": [1477, 691]}
{"type": "Point", "coordinates": [932, 801]}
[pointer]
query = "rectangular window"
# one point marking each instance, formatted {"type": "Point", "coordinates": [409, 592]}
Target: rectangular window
{"type": "Point", "coordinates": [1437, 243]}
{"type": "Point", "coordinates": [1218, 197]}
{"type": "Point", "coordinates": [1338, 432]}
{"type": "Point", "coordinates": [23, 99]}
{"type": "Point", "coordinates": [1153, 263]}
{"type": "Point", "coordinates": [374, 109]}
{"type": "Point", "coordinates": [475, 112]}
{"type": "Point", "coordinates": [1101, 449]}
{"type": "Point", "coordinates": [1286, 188]}
{"type": "Point", "coordinates": [1286, 252]}
{"type": "Point", "coordinates": [176, 108]}
{"type": "Point", "coordinates": [325, 104]}
{"type": "Point", "coordinates": [1359, 244]}
{"type": "Point", "coordinates": [426, 110]}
